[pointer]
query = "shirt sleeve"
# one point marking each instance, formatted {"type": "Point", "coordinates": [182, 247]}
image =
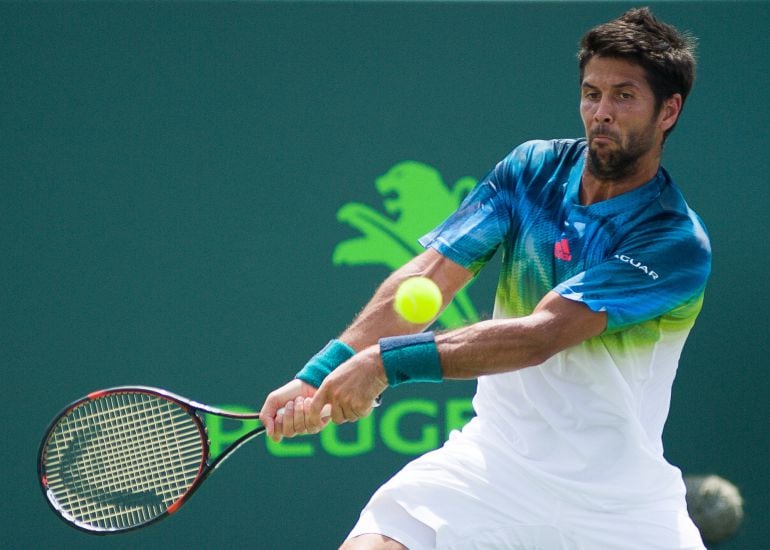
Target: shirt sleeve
{"type": "Point", "coordinates": [653, 273]}
{"type": "Point", "coordinates": [472, 234]}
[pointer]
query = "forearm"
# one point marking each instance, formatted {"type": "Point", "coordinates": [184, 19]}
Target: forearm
{"type": "Point", "coordinates": [378, 319]}
{"type": "Point", "coordinates": [502, 345]}
{"type": "Point", "coordinates": [491, 347]}
{"type": "Point", "coordinates": [487, 347]}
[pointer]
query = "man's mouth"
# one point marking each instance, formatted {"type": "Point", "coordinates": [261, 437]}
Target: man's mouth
{"type": "Point", "coordinates": [601, 139]}
{"type": "Point", "coordinates": [601, 135]}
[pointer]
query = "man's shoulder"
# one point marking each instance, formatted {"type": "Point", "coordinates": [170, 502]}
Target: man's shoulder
{"type": "Point", "coordinates": [545, 150]}
{"type": "Point", "coordinates": [541, 160]}
{"type": "Point", "coordinates": [675, 211]}
{"type": "Point", "coordinates": [669, 228]}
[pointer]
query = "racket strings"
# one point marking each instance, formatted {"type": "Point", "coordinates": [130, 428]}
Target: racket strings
{"type": "Point", "coordinates": [119, 456]}
{"type": "Point", "coordinates": [122, 459]}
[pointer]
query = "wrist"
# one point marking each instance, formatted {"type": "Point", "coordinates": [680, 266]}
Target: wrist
{"type": "Point", "coordinates": [411, 358]}
{"type": "Point", "coordinates": [324, 362]}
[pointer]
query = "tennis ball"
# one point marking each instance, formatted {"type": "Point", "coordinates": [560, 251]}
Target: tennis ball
{"type": "Point", "coordinates": [418, 300]}
{"type": "Point", "coordinates": [715, 506]}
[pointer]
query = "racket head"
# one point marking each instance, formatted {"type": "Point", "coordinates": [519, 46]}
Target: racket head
{"type": "Point", "coordinates": [122, 458]}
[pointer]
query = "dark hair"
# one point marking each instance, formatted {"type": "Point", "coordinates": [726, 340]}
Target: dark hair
{"type": "Point", "coordinates": [666, 55]}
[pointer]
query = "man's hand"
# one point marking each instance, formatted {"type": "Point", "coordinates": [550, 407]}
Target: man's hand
{"type": "Point", "coordinates": [351, 391]}
{"type": "Point", "coordinates": [292, 397]}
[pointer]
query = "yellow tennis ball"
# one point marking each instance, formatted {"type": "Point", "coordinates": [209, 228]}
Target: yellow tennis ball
{"type": "Point", "coordinates": [418, 300]}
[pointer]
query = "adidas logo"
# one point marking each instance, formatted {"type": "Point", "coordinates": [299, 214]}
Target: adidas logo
{"type": "Point", "coordinates": [561, 251]}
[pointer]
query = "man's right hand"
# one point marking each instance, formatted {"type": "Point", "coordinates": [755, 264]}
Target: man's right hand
{"type": "Point", "coordinates": [293, 398]}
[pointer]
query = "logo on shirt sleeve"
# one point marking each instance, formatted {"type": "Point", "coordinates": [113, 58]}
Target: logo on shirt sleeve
{"type": "Point", "coordinates": [637, 264]}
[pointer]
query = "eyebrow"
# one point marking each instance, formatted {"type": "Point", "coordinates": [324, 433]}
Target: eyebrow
{"type": "Point", "coordinates": [624, 84]}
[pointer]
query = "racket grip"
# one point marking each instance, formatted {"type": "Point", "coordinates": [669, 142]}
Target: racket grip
{"type": "Point", "coordinates": [326, 412]}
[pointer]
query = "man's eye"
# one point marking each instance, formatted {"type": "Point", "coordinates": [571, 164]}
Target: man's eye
{"type": "Point", "coordinates": [625, 95]}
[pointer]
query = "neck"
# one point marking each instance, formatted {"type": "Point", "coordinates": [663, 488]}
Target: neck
{"type": "Point", "coordinates": [595, 189]}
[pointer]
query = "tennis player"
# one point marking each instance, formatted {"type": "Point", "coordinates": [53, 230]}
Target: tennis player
{"type": "Point", "coordinates": [603, 275]}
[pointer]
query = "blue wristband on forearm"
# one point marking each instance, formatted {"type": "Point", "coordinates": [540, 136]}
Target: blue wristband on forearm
{"type": "Point", "coordinates": [324, 362]}
{"type": "Point", "coordinates": [411, 358]}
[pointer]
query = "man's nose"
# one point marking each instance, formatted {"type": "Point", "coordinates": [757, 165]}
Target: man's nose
{"type": "Point", "coordinates": [603, 111]}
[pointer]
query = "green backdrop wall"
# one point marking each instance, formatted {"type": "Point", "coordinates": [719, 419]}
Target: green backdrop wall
{"type": "Point", "coordinates": [172, 176]}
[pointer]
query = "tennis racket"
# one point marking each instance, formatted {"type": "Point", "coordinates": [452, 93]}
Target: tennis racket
{"type": "Point", "coordinates": [125, 457]}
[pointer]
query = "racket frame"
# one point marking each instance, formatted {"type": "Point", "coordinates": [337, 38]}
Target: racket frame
{"type": "Point", "coordinates": [207, 466]}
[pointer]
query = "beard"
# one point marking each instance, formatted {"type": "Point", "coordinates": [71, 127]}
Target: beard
{"type": "Point", "coordinates": [618, 164]}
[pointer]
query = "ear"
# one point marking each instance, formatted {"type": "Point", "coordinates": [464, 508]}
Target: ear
{"type": "Point", "coordinates": [669, 111]}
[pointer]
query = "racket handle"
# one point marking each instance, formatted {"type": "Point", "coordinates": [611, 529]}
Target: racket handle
{"type": "Point", "coordinates": [326, 412]}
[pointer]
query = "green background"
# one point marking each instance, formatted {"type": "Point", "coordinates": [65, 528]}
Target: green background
{"type": "Point", "coordinates": [170, 179]}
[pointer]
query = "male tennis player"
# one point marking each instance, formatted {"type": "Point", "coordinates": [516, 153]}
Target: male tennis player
{"type": "Point", "coordinates": [604, 269]}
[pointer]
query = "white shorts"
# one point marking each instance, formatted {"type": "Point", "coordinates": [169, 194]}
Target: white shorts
{"type": "Point", "coordinates": [465, 496]}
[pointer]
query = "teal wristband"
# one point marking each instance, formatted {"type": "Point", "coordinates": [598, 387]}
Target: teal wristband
{"type": "Point", "coordinates": [411, 358]}
{"type": "Point", "coordinates": [324, 362]}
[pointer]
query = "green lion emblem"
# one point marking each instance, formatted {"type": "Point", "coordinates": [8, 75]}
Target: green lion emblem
{"type": "Point", "coordinates": [416, 200]}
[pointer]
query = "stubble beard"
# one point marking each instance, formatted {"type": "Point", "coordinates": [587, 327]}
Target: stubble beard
{"type": "Point", "coordinates": [621, 163]}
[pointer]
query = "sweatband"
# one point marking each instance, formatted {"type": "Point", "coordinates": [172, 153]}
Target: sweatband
{"type": "Point", "coordinates": [324, 362]}
{"type": "Point", "coordinates": [411, 358]}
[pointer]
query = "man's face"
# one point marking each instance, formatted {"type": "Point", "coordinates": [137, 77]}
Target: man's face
{"type": "Point", "coordinates": [622, 125]}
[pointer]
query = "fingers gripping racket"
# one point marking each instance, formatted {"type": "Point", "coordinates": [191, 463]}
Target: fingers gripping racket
{"type": "Point", "coordinates": [122, 458]}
